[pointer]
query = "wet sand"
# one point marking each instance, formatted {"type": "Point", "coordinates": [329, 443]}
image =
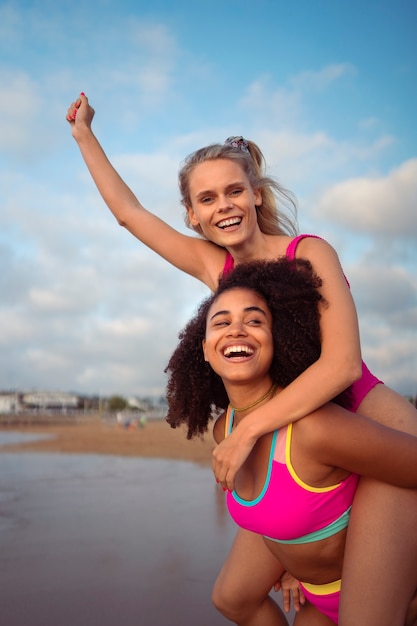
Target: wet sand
{"type": "Point", "coordinates": [100, 524]}
{"type": "Point", "coordinates": [96, 540]}
{"type": "Point", "coordinates": [155, 440]}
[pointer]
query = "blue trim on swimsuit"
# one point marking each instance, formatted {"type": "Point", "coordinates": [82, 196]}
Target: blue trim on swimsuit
{"type": "Point", "coordinates": [322, 533]}
{"type": "Point", "coordinates": [249, 503]}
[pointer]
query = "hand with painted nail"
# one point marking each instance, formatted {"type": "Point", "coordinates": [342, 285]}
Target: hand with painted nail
{"type": "Point", "coordinates": [80, 113]}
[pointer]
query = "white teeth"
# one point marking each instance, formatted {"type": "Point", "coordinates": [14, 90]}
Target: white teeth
{"type": "Point", "coordinates": [233, 350]}
{"type": "Point", "coordinates": [233, 221]}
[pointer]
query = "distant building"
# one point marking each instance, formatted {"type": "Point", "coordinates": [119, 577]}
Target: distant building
{"type": "Point", "coordinates": [47, 400]}
{"type": "Point", "coordinates": [63, 402]}
{"type": "Point", "coordinates": [10, 403]}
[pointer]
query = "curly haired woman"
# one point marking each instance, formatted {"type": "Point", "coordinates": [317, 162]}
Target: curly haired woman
{"type": "Point", "coordinates": [294, 493]}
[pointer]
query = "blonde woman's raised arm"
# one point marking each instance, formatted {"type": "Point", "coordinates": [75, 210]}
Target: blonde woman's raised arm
{"type": "Point", "coordinates": [192, 255]}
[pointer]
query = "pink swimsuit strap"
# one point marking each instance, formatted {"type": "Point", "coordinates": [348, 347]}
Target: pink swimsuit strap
{"type": "Point", "coordinates": [292, 246]}
{"type": "Point", "coordinates": [289, 253]}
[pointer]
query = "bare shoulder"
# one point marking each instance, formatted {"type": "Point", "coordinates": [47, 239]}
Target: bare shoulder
{"type": "Point", "coordinates": [326, 263]}
{"type": "Point", "coordinates": [314, 248]}
{"type": "Point", "coordinates": [218, 428]}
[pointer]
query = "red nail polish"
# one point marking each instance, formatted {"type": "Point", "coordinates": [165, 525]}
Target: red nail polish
{"type": "Point", "coordinates": [82, 94]}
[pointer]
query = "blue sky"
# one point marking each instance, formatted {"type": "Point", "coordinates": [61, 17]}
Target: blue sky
{"type": "Point", "coordinates": [326, 88]}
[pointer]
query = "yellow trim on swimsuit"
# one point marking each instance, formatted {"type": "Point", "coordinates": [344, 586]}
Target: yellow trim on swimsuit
{"type": "Point", "coordinates": [294, 474]}
{"type": "Point", "coordinates": [325, 589]}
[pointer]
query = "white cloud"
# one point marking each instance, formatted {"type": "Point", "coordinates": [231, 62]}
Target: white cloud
{"type": "Point", "coordinates": [391, 356]}
{"type": "Point", "coordinates": [20, 107]}
{"type": "Point", "coordinates": [385, 291]}
{"type": "Point", "coordinates": [275, 103]}
{"type": "Point", "coordinates": [284, 105]}
{"type": "Point", "coordinates": [149, 64]}
{"type": "Point", "coordinates": [323, 78]}
{"type": "Point", "coordinates": [130, 64]}
{"type": "Point", "coordinates": [85, 305]}
{"type": "Point", "coordinates": [384, 205]}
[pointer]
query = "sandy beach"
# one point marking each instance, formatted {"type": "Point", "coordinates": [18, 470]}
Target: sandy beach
{"type": "Point", "coordinates": [95, 436]}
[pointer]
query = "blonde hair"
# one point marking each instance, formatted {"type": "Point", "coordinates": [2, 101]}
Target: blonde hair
{"type": "Point", "coordinates": [271, 219]}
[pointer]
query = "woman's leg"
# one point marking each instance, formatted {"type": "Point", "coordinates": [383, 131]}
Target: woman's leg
{"type": "Point", "coordinates": [241, 591]}
{"type": "Point", "coordinates": [380, 565]}
{"type": "Point", "coordinates": [308, 615]}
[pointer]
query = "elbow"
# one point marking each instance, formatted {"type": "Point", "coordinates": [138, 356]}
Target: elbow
{"type": "Point", "coordinates": [355, 371]}
{"type": "Point", "coordinates": [125, 217]}
{"type": "Point", "coordinates": [346, 372]}
{"type": "Point", "coordinates": [121, 220]}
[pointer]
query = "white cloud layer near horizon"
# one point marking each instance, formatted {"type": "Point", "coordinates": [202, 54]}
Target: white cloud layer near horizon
{"type": "Point", "coordinates": [87, 308]}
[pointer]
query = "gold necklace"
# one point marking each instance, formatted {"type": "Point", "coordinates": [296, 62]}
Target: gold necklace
{"type": "Point", "coordinates": [250, 406]}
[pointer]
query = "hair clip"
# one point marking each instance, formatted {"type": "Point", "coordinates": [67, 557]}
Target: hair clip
{"type": "Point", "coordinates": [239, 143]}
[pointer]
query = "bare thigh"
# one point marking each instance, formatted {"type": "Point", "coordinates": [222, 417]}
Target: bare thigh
{"type": "Point", "coordinates": [242, 589]}
{"type": "Point", "coordinates": [248, 574]}
{"type": "Point", "coordinates": [387, 407]}
{"type": "Point", "coordinates": [308, 615]}
{"type": "Point", "coordinates": [380, 564]}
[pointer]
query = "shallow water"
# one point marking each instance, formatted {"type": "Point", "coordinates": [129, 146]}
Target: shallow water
{"type": "Point", "coordinates": [11, 437]}
{"type": "Point", "coordinates": [93, 540]}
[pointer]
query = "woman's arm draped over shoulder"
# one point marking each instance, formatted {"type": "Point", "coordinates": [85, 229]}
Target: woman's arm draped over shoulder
{"type": "Point", "coordinates": [338, 367]}
{"type": "Point", "coordinates": [193, 255]}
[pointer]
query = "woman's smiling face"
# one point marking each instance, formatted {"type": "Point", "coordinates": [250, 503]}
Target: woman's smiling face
{"type": "Point", "coordinates": [223, 203]}
{"type": "Point", "coordinates": [238, 343]}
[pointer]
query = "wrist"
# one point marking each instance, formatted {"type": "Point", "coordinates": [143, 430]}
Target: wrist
{"type": "Point", "coordinates": [81, 132]}
{"type": "Point", "coordinates": [249, 430]}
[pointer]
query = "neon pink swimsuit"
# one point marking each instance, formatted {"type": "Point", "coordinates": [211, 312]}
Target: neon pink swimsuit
{"type": "Point", "coordinates": [359, 389]}
{"type": "Point", "coordinates": [288, 510]}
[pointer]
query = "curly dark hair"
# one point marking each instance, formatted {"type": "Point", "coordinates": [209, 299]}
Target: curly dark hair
{"type": "Point", "coordinates": [290, 288]}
